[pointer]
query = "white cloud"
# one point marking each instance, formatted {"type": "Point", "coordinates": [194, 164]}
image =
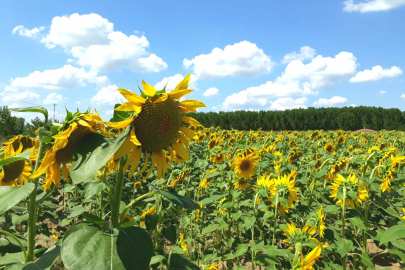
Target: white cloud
{"type": "Point", "coordinates": [306, 52]}
{"type": "Point", "coordinates": [322, 72]}
{"type": "Point", "coordinates": [210, 92]}
{"type": "Point", "coordinates": [403, 96]}
{"type": "Point", "coordinates": [24, 96]}
{"type": "Point", "coordinates": [25, 32]}
{"type": "Point", "coordinates": [296, 81]}
{"type": "Point", "coordinates": [383, 92]}
{"type": "Point", "coordinates": [67, 77]}
{"type": "Point", "coordinates": [282, 104]}
{"type": "Point", "coordinates": [376, 73]}
{"type": "Point", "coordinates": [173, 81]}
{"type": "Point", "coordinates": [91, 39]}
{"type": "Point", "coordinates": [243, 59]}
{"type": "Point", "coordinates": [53, 98]}
{"type": "Point", "coordinates": [353, 105]}
{"type": "Point", "coordinates": [14, 105]}
{"type": "Point", "coordinates": [372, 5]}
{"type": "Point", "coordinates": [108, 96]}
{"type": "Point", "coordinates": [334, 101]}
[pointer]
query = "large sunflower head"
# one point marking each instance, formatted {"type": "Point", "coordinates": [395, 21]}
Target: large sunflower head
{"type": "Point", "coordinates": [65, 139]}
{"type": "Point", "coordinates": [20, 144]}
{"type": "Point", "coordinates": [17, 172]}
{"type": "Point", "coordinates": [157, 125]}
{"type": "Point", "coordinates": [329, 147]}
{"type": "Point", "coordinates": [245, 166]}
{"type": "Point", "coordinates": [350, 189]}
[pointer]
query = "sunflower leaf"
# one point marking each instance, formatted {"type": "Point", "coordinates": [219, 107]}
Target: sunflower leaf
{"type": "Point", "coordinates": [24, 156]}
{"type": "Point", "coordinates": [11, 196]}
{"type": "Point", "coordinates": [38, 109]}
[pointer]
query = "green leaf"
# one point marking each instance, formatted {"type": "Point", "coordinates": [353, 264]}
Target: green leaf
{"type": "Point", "coordinates": [279, 252]}
{"type": "Point", "coordinates": [93, 188]}
{"type": "Point", "coordinates": [257, 246]}
{"type": "Point", "coordinates": [177, 250]}
{"type": "Point", "coordinates": [399, 256]}
{"type": "Point", "coordinates": [249, 221]}
{"type": "Point", "coordinates": [120, 115]}
{"type": "Point", "coordinates": [179, 200]}
{"type": "Point", "coordinates": [10, 258]}
{"type": "Point", "coordinates": [46, 261]}
{"type": "Point", "coordinates": [74, 212]}
{"type": "Point", "coordinates": [344, 246]}
{"type": "Point", "coordinates": [398, 244]}
{"type": "Point", "coordinates": [358, 223]}
{"type": "Point", "coordinates": [352, 194]}
{"type": "Point", "coordinates": [19, 218]}
{"type": "Point", "coordinates": [95, 219]}
{"type": "Point", "coordinates": [391, 211]}
{"type": "Point", "coordinates": [178, 262]}
{"type": "Point", "coordinates": [91, 153]}
{"type": "Point", "coordinates": [37, 109]}
{"type": "Point", "coordinates": [24, 156]}
{"type": "Point", "coordinates": [332, 209]}
{"type": "Point", "coordinates": [151, 222]}
{"type": "Point", "coordinates": [87, 246]}
{"type": "Point", "coordinates": [213, 198]}
{"type": "Point", "coordinates": [393, 233]}
{"type": "Point", "coordinates": [210, 228]}
{"type": "Point", "coordinates": [365, 259]}
{"type": "Point", "coordinates": [242, 248]}
{"type": "Point", "coordinates": [170, 233]}
{"type": "Point", "coordinates": [11, 196]}
{"type": "Point", "coordinates": [156, 259]}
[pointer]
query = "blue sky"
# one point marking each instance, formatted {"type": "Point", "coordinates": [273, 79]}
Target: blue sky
{"type": "Point", "coordinates": [267, 55]}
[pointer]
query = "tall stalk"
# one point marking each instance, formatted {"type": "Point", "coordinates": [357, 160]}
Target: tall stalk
{"type": "Point", "coordinates": [115, 204]}
{"type": "Point", "coordinates": [343, 223]}
{"type": "Point", "coordinates": [275, 220]}
{"type": "Point", "coordinates": [32, 206]}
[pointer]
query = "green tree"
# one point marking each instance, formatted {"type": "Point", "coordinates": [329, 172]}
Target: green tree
{"type": "Point", "coordinates": [10, 125]}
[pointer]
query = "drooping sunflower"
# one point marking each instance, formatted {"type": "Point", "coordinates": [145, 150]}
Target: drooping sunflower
{"type": "Point", "coordinates": [17, 172]}
{"type": "Point", "coordinates": [150, 211]}
{"type": "Point", "coordinates": [294, 156]}
{"type": "Point", "coordinates": [329, 147]}
{"type": "Point", "coordinates": [295, 236]}
{"type": "Point", "coordinates": [157, 126]}
{"type": "Point", "coordinates": [206, 181]}
{"type": "Point", "coordinates": [218, 158]}
{"type": "Point", "coordinates": [390, 170]}
{"type": "Point", "coordinates": [285, 188]}
{"type": "Point", "coordinates": [20, 144]}
{"type": "Point", "coordinates": [241, 184]}
{"type": "Point", "coordinates": [180, 178]}
{"type": "Point", "coordinates": [245, 166]}
{"type": "Point", "coordinates": [314, 134]}
{"type": "Point", "coordinates": [321, 223]}
{"type": "Point", "coordinates": [351, 183]}
{"type": "Point", "coordinates": [61, 153]}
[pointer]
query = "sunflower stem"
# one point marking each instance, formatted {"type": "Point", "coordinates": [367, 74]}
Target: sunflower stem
{"type": "Point", "coordinates": [275, 220]}
{"type": "Point", "coordinates": [135, 201]}
{"type": "Point", "coordinates": [343, 223]}
{"type": "Point", "coordinates": [32, 207]}
{"type": "Point", "coordinates": [115, 209]}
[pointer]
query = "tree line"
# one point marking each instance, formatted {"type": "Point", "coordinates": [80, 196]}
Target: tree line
{"type": "Point", "coordinates": [346, 118]}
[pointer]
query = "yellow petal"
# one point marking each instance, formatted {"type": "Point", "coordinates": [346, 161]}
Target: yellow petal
{"type": "Point", "coordinates": [46, 162]}
{"type": "Point", "coordinates": [184, 83]}
{"type": "Point", "coordinates": [134, 139]}
{"type": "Point", "coordinates": [121, 124]}
{"type": "Point", "coordinates": [177, 94]}
{"type": "Point", "coordinates": [151, 169]}
{"type": "Point", "coordinates": [189, 133]}
{"type": "Point", "coordinates": [135, 160]}
{"type": "Point", "coordinates": [125, 148]}
{"type": "Point", "coordinates": [149, 89]}
{"type": "Point", "coordinates": [192, 104]}
{"type": "Point", "coordinates": [183, 139]}
{"type": "Point", "coordinates": [190, 121]}
{"type": "Point", "coordinates": [145, 165]}
{"type": "Point", "coordinates": [129, 107]}
{"type": "Point", "coordinates": [131, 96]}
{"type": "Point", "coordinates": [180, 150]}
{"type": "Point", "coordinates": [65, 172]}
{"type": "Point", "coordinates": [161, 98]}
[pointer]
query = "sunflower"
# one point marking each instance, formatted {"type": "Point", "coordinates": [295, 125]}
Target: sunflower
{"type": "Point", "coordinates": [221, 210]}
{"type": "Point", "coordinates": [179, 179]}
{"type": "Point", "coordinates": [17, 172]}
{"type": "Point", "coordinates": [321, 222]}
{"type": "Point", "coordinates": [182, 243]}
{"type": "Point", "coordinates": [150, 211]}
{"type": "Point", "coordinates": [157, 126]}
{"type": "Point", "coordinates": [310, 259]}
{"type": "Point", "coordinates": [391, 168]}
{"type": "Point", "coordinates": [198, 212]}
{"type": "Point", "coordinates": [20, 144]}
{"type": "Point", "coordinates": [285, 188]}
{"type": "Point", "coordinates": [351, 184]}
{"type": "Point", "coordinates": [138, 184]}
{"type": "Point", "coordinates": [294, 156]}
{"type": "Point", "coordinates": [61, 153]}
{"type": "Point", "coordinates": [213, 267]}
{"type": "Point", "coordinates": [213, 143]}
{"type": "Point", "coordinates": [295, 236]}
{"type": "Point", "coordinates": [329, 147]}
{"type": "Point", "coordinates": [241, 184]}
{"type": "Point", "coordinates": [314, 134]}
{"type": "Point", "coordinates": [206, 181]}
{"type": "Point", "coordinates": [218, 158]}
{"type": "Point", "coordinates": [127, 218]}
{"type": "Point", "coordinates": [244, 166]}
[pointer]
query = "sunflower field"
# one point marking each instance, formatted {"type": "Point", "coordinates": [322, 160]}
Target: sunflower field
{"type": "Point", "coordinates": [154, 189]}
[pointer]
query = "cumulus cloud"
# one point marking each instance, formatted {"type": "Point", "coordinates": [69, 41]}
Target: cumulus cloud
{"type": "Point", "coordinates": [334, 101]}
{"type": "Point", "coordinates": [67, 77]}
{"type": "Point", "coordinates": [91, 39]}
{"type": "Point", "coordinates": [306, 52]}
{"type": "Point", "coordinates": [372, 6]}
{"type": "Point", "coordinates": [25, 32]}
{"type": "Point", "coordinates": [383, 92]}
{"type": "Point", "coordinates": [298, 80]}
{"type": "Point", "coordinates": [282, 104]}
{"type": "Point", "coordinates": [210, 92]}
{"type": "Point", "coordinates": [376, 73]}
{"type": "Point", "coordinates": [403, 96]}
{"type": "Point", "coordinates": [53, 98]}
{"type": "Point", "coordinates": [243, 59]}
{"type": "Point", "coordinates": [107, 96]}
{"type": "Point", "coordinates": [173, 81]}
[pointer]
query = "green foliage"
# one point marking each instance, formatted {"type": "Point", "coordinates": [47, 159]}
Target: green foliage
{"type": "Point", "coordinates": [10, 125]}
{"type": "Point", "coordinates": [346, 118]}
